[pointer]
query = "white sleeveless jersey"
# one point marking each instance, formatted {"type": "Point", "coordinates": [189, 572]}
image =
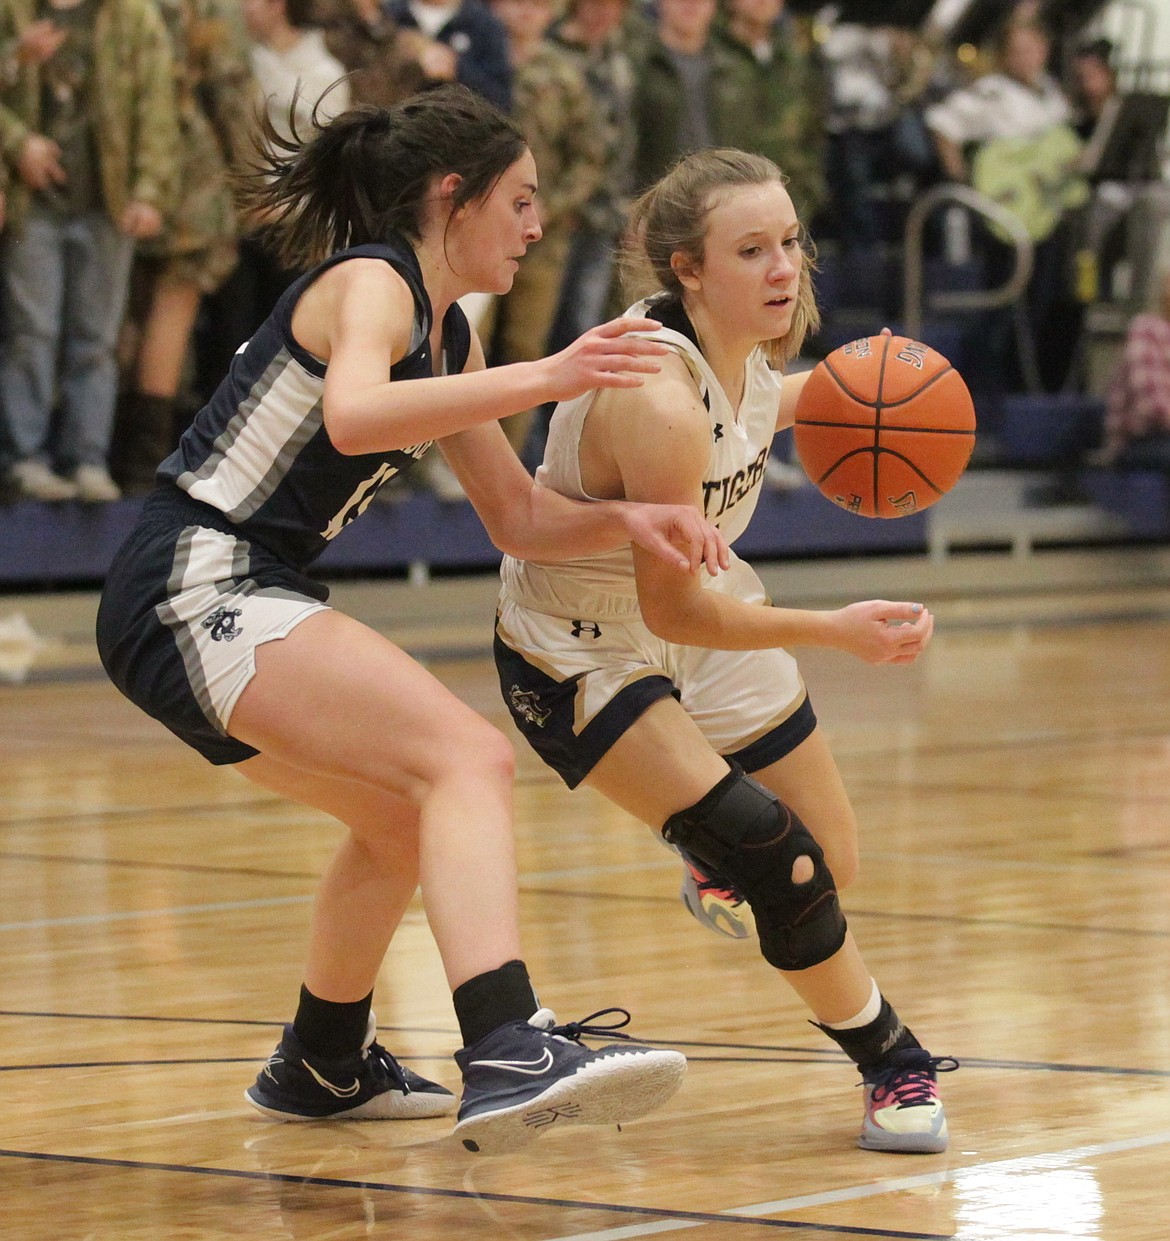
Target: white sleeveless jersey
{"type": "Point", "coordinates": [601, 586]}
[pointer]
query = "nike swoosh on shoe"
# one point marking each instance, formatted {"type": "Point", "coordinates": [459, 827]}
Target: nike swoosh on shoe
{"type": "Point", "coordinates": [534, 1067]}
{"type": "Point", "coordinates": [342, 1092]}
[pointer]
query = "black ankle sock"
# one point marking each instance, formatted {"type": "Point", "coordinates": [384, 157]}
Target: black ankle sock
{"type": "Point", "coordinates": [868, 1045]}
{"type": "Point", "coordinates": [490, 999]}
{"type": "Point", "coordinates": [331, 1030]}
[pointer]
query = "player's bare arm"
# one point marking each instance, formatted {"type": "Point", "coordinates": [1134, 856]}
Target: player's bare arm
{"type": "Point", "coordinates": [364, 321]}
{"type": "Point", "coordinates": [790, 391]}
{"type": "Point", "coordinates": [526, 520]}
{"type": "Point", "coordinates": [659, 439]}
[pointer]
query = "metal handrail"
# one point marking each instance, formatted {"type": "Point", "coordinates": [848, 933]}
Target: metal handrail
{"type": "Point", "coordinates": [979, 299]}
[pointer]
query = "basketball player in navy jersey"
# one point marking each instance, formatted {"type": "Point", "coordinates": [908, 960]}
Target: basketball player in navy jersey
{"type": "Point", "coordinates": [209, 622]}
{"type": "Point", "coordinates": [664, 692]}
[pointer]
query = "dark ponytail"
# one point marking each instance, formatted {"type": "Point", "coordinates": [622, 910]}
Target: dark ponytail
{"type": "Point", "coordinates": [366, 173]}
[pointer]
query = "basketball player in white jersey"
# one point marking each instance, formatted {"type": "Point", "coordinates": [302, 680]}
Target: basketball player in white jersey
{"type": "Point", "coordinates": [675, 696]}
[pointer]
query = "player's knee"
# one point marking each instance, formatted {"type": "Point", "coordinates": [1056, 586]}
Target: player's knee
{"type": "Point", "coordinates": [844, 862]}
{"type": "Point", "coordinates": [745, 832]}
{"type": "Point", "coordinates": [499, 756]}
{"type": "Point", "coordinates": [475, 746]}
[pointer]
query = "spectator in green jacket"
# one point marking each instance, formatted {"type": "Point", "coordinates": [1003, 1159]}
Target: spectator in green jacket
{"type": "Point", "coordinates": [693, 90]}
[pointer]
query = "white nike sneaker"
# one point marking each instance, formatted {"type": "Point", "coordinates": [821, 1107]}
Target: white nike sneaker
{"type": "Point", "coordinates": [526, 1076]}
{"type": "Point", "coordinates": [369, 1085]}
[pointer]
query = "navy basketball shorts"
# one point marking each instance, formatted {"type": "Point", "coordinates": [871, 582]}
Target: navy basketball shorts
{"type": "Point", "coordinates": [574, 687]}
{"type": "Point", "coordinates": [186, 603]}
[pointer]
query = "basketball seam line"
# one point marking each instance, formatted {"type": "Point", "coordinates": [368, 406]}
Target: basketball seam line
{"type": "Point", "coordinates": [880, 404]}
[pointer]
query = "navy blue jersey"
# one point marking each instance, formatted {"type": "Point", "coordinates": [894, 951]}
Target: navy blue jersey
{"type": "Point", "coordinates": [258, 451]}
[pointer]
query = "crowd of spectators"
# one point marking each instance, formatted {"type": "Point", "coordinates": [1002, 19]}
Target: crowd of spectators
{"type": "Point", "coordinates": [128, 279]}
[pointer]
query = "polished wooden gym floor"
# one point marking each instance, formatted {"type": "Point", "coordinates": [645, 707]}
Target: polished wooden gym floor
{"type": "Point", "coordinates": [1014, 795]}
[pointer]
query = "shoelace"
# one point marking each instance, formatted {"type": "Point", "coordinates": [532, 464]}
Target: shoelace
{"type": "Point", "coordinates": [379, 1053]}
{"type": "Point", "coordinates": [911, 1085]}
{"type": "Point", "coordinates": [715, 883]}
{"type": "Point", "coordinates": [574, 1029]}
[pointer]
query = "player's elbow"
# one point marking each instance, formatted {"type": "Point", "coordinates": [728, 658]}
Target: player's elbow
{"type": "Point", "coordinates": [665, 620]}
{"type": "Point", "coordinates": [344, 431]}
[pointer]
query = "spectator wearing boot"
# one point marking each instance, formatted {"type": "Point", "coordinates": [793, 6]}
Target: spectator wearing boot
{"type": "Point", "coordinates": [300, 83]}
{"type": "Point", "coordinates": [89, 137]}
{"type": "Point", "coordinates": [196, 252]}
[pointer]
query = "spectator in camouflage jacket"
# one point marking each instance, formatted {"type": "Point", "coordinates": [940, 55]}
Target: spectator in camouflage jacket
{"type": "Point", "coordinates": [385, 62]}
{"type": "Point", "coordinates": [89, 135]}
{"type": "Point", "coordinates": [790, 98]}
{"type": "Point", "coordinates": [197, 249]}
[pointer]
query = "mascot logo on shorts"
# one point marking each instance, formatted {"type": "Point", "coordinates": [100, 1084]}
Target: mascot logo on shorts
{"type": "Point", "coordinates": [222, 623]}
{"type": "Point", "coordinates": [526, 704]}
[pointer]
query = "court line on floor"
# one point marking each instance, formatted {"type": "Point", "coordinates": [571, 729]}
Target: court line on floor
{"type": "Point", "coordinates": [679, 1218]}
{"type": "Point", "coordinates": [1021, 1163]}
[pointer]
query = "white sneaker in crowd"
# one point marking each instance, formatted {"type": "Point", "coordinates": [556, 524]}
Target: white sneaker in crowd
{"type": "Point", "coordinates": [94, 484]}
{"type": "Point", "coordinates": [38, 482]}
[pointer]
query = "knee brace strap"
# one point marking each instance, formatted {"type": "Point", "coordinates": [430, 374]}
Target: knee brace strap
{"type": "Point", "coordinates": [747, 834]}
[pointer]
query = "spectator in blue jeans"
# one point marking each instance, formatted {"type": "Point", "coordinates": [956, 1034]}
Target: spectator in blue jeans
{"type": "Point", "coordinates": [85, 182]}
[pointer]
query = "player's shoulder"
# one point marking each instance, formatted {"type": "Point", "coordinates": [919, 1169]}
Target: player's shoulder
{"type": "Point", "coordinates": [368, 274]}
{"type": "Point", "coordinates": [666, 404]}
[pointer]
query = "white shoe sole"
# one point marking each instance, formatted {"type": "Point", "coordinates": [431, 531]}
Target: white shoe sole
{"type": "Point", "coordinates": [927, 1143]}
{"type": "Point", "coordinates": [390, 1105]}
{"type": "Point", "coordinates": [617, 1088]}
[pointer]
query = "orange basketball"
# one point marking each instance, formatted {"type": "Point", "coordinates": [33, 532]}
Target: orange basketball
{"type": "Point", "coordinates": [884, 426]}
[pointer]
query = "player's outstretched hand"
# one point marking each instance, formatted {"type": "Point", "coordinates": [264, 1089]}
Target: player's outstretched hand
{"type": "Point", "coordinates": [881, 632]}
{"type": "Point", "coordinates": [679, 535]}
{"type": "Point", "coordinates": [604, 357]}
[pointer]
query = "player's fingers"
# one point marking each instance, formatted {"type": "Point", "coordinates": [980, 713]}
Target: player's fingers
{"type": "Point", "coordinates": [716, 552]}
{"type": "Point", "coordinates": [900, 611]}
{"type": "Point", "coordinates": [617, 379]}
{"type": "Point", "coordinates": [635, 344]}
{"type": "Point", "coordinates": [626, 323]}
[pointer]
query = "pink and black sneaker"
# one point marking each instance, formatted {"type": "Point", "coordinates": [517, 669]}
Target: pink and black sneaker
{"type": "Point", "coordinates": [903, 1112]}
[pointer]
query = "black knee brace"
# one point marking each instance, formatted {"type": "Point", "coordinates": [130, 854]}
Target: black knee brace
{"type": "Point", "coordinates": [749, 836]}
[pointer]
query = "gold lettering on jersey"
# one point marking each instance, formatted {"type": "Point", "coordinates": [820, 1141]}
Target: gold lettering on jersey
{"type": "Point", "coordinates": [364, 492]}
{"type": "Point", "coordinates": [720, 494]}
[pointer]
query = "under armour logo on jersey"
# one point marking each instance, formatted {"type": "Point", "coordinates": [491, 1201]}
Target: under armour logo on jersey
{"type": "Point", "coordinates": [583, 627]}
{"type": "Point", "coordinates": [222, 623]}
{"type": "Point", "coordinates": [718, 432]}
{"type": "Point", "coordinates": [527, 706]}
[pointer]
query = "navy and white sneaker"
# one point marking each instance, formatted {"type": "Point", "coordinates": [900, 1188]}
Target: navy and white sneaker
{"type": "Point", "coordinates": [526, 1076]}
{"type": "Point", "coordinates": [369, 1085]}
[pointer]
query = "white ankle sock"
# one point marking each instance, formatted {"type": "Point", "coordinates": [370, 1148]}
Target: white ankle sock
{"type": "Point", "coordinates": [868, 1013]}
